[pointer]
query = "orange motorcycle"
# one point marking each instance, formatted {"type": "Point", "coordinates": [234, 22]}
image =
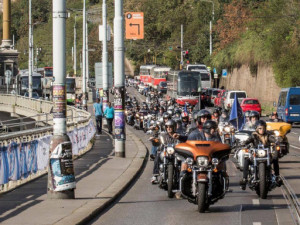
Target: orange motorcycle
{"type": "Point", "coordinates": [205, 181]}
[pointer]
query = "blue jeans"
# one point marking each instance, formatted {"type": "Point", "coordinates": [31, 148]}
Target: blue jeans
{"type": "Point", "coordinates": [154, 150]}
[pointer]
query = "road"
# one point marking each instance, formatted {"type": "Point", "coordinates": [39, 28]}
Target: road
{"type": "Point", "coordinates": [145, 203]}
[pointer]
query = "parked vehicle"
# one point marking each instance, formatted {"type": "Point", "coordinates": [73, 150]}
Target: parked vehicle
{"type": "Point", "coordinates": [230, 98]}
{"type": "Point", "coordinates": [251, 104]}
{"type": "Point", "coordinates": [288, 107]}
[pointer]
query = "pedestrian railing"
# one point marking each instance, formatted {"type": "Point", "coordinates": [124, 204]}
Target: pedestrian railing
{"type": "Point", "coordinates": [24, 154]}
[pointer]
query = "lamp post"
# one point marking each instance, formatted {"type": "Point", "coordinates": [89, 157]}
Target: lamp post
{"type": "Point", "coordinates": [210, 25]}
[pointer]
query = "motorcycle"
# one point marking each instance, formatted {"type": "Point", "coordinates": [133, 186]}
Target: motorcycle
{"type": "Point", "coordinates": [280, 130]}
{"type": "Point", "coordinates": [240, 150]}
{"type": "Point", "coordinates": [205, 181]}
{"type": "Point", "coordinates": [226, 133]}
{"type": "Point", "coordinates": [129, 117]}
{"type": "Point", "coordinates": [139, 119]}
{"type": "Point", "coordinates": [260, 177]}
{"type": "Point", "coordinates": [169, 167]}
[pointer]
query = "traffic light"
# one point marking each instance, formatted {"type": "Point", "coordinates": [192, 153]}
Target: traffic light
{"type": "Point", "coordinates": [186, 55]}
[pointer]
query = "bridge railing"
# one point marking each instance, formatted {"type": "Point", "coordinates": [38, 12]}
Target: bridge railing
{"type": "Point", "coordinates": [14, 145]}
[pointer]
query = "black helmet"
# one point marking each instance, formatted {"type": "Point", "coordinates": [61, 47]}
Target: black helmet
{"type": "Point", "coordinates": [261, 123]}
{"type": "Point", "coordinates": [203, 113]}
{"type": "Point", "coordinates": [254, 114]}
{"type": "Point", "coordinates": [216, 110]}
{"type": "Point", "coordinates": [166, 115]}
{"type": "Point", "coordinates": [208, 125]}
{"type": "Point", "coordinates": [177, 111]}
{"type": "Point", "coordinates": [162, 108]}
{"type": "Point", "coordinates": [171, 123]}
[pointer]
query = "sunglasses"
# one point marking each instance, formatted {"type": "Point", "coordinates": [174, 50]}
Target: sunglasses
{"type": "Point", "coordinates": [260, 128]}
{"type": "Point", "coordinates": [169, 126]}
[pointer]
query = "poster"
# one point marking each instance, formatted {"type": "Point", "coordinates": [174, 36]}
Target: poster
{"type": "Point", "coordinates": [61, 167]}
{"type": "Point", "coordinates": [119, 103]}
{"type": "Point", "coordinates": [59, 100]}
{"type": "Point", "coordinates": [120, 125]}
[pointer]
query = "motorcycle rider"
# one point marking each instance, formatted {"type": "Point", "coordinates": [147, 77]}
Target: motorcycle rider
{"type": "Point", "coordinates": [170, 127]}
{"type": "Point", "coordinates": [202, 116]}
{"type": "Point", "coordinates": [260, 136]}
{"type": "Point", "coordinates": [224, 116]}
{"type": "Point", "coordinates": [251, 124]}
{"type": "Point", "coordinates": [184, 119]}
{"type": "Point", "coordinates": [216, 115]}
{"type": "Point", "coordinates": [274, 118]}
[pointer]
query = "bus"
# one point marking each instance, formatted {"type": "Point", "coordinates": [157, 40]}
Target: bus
{"type": "Point", "coordinates": [159, 74]}
{"type": "Point", "coordinates": [22, 83]}
{"type": "Point", "coordinates": [205, 74]}
{"type": "Point", "coordinates": [184, 86]}
{"type": "Point", "coordinates": [71, 90]}
{"type": "Point", "coordinates": [146, 71]}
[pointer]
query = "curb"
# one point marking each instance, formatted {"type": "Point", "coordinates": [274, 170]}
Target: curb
{"type": "Point", "coordinates": [94, 207]}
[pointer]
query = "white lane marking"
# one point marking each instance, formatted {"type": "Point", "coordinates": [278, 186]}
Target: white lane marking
{"type": "Point", "coordinates": [30, 196]}
{"type": "Point", "coordinates": [294, 147]}
{"type": "Point", "coordinates": [294, 133]}
{"type": "Point", "coordinates": [256, 223]}
{"type": "Point", "coordinates": [255, 201]}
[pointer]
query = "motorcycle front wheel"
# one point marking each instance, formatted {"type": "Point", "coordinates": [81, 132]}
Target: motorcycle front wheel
{"type": "Point", "coordinates": [263, 190]}
{"type": "Point", "coordinates": [202, 206]}
{"type": "Point", "coordinates": [170, 180]}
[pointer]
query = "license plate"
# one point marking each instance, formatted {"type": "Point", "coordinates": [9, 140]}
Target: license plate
{"type": "Point", "coordinates": [293, 114]}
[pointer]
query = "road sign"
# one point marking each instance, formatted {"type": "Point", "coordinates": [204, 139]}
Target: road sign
{"type": "Point", "coordinates": [134, 22]}
{"type": "Point", "coordinates": [224, 72]}
{"type": "Point", "coordinates": [216, 76]}
{"type": "Point", "coordinates": [215, 70]}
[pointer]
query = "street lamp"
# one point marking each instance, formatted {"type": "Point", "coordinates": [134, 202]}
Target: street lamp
{"type": "Point", "coordinates": [210, 24]}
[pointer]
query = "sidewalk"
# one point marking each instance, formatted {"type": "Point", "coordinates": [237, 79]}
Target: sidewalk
{"type": "Point", "coordinates": [97, 187]}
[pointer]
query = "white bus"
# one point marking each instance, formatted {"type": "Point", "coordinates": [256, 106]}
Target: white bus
{"type": "Point", "coordinates": [205, 74]}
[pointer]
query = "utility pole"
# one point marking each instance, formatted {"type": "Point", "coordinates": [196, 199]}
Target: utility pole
{"type": "Point", "coordinates": [181, 47]}
{"type": "Point", "coordinates": [105, 56]}
{"type": "Point", "coordinates": [75, 51]}
{"type": "Point", "coordinates": [61, 178]}
{"type": "Point", "coordinates": [119, 101]}
{"type": "Point", "coordinates": [30, 67]}
{"type": "Point", "coordinates": [87, 52]}
{"type": "Point", "coordinates": [83, 71]}
{"type": "Point", "coordinates": [210, 28]}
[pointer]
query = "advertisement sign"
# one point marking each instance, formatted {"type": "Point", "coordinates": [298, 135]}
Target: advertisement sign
{"type": "Point", "coordinates": [120, 125]}
{"type": "Point", "coordinates": [119, 96]}
{"type": "Point", "coordinates": [61, 167]}
{"type": "Point", "coordinates": [59, 100]}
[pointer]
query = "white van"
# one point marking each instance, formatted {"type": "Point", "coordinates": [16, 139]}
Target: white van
{"type": "Point", "coordinates": [230, 98]}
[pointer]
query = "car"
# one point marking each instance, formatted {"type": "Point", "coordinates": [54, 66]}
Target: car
{"type": "Point", "coordinates": [228, 101]}
{"type": "Point", "coordinates": [162, 87]}
{"type": "Point", "coordinates": [288, 107]}
{"type": "Point", "coordinates": [217, 100]}
{"type": "Point", "coordinates": [35, 95]}
{"type": "Point", "coordinates": [213, 95]}
{"type": "Point", "coordinates": [251, 104]}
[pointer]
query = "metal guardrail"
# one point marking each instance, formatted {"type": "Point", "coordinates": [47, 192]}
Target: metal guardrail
{"type": "Point", "coordinates": [75, 117]}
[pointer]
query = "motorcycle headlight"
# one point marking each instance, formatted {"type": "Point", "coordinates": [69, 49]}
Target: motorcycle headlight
{"type": "Point", "coordinates": [227, 129]}
{"type": "Point", "coordinates": [142, 117]}
{"type": "Point", "coordinates": [261, 153]}
{"type": "Point", "coordinates": [137, 115]}
{"type": "Point", "coordinates": [189, 161]}
{"type": "Point", "coordinates": [215, 161]}
{"type": "Point", "coordinates": [277, 133]}
{"type": "Point", "coordinates": [73, 97]}
{"type": "Point", "coordinates": [126, 112]}
{"type": "Point", "coordinates": [202, 161]}
{"type": "Point", "coordinates": [170, 150]}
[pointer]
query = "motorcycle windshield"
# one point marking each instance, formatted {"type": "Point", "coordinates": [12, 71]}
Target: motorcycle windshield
{"type": "Point", "coordinates": [211, 149]}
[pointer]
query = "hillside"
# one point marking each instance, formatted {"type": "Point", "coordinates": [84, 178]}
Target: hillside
{"type": "Point", "coordinates": [244, 32]}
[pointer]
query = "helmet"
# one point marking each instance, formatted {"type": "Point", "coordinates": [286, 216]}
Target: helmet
{"type": "Point", "coordinates": [254, 114]}
{"type": "Point", "coordinates": [171, 123]}
{"type": "Point", "coordinates": [274, 114]}
{"type": "Point", "coordinates": [203, 113]}
{"type": "Point", "coordinates": [208, 125]}
{"type": "Point", "coordinates": [260, 123]}
{"type": "Point", "coordinates": [177, 111]}
{"type": "Point", "coordinates": [184, 115]}
{"type": "Point", "coordinates": [162, 108]}
{"type": "Point", "coordinates": [170, 112]}
{"type": "Point", "coordinates": [216, 110]}
{"type": "Point", "coordinates": [166, 116]}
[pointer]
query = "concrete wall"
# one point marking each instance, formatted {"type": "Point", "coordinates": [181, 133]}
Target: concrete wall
{"type": "Point", "coordinates": [261, 85]}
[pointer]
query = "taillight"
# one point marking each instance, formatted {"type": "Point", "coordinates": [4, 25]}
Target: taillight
{"type": "Point", "coordinates": [286, 111]}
